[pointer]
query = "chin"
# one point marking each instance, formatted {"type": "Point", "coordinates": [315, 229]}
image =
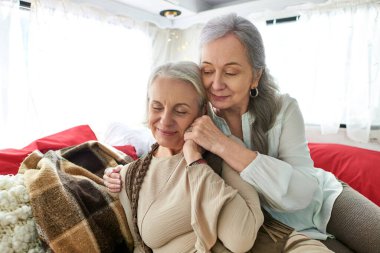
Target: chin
{"type": "Point", "coordinates": [219, 105]}
{"type": "Point", "coordinates": [171, 144]}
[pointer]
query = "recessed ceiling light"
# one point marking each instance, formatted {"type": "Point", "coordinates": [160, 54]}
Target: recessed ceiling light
{"type": "Point", "coordinates": [170, 13]}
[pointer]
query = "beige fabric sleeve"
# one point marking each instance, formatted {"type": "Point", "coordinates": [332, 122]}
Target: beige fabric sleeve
{"type": "Point", "coordinates": [242, 216]}
{"type": "Point", "coordinates": [235, 222]}
{"type": "Point", "coordinates": [219, 211]}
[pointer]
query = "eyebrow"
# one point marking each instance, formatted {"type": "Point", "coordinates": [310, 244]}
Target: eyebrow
{"type": "Point", "coordinates": [227, 64]}
{"type": "Point", "coordinates": [179, 104]}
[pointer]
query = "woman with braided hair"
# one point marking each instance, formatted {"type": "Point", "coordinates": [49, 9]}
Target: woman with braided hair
{"type": "Point", "coordinates": [171, 198]}
{"type": "Point", "coordinates": [174, 201]}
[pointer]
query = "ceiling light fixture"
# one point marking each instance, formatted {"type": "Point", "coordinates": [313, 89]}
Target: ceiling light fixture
{"type": "Point", "coordinates": [170, 13]}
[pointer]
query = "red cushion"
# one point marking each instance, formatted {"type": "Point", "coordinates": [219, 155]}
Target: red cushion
{"type": "Point", "coordinates": [129, 150]}
{"type": "Point", "coordinates": [10, 159]}
{"type": "Point", "coordinates": [358, 167]}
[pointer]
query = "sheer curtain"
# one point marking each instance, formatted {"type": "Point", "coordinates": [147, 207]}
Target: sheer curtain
{"type": "Point", "coordinates": [329, 60]}
{"type": "Point", "coordinates": [84, 66]}
{"type": "Point", "coordinates": [176, 45]}
{"type": "Point", "coordinates": [14, 99]}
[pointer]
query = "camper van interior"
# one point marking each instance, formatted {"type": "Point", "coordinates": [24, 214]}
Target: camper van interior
{"type": "Point", "coordinates": [76, 71]}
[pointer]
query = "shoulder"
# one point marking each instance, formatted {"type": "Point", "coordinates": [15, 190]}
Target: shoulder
{"type": "Point", "coordinates": [289, 111]}
{"type": "Point", "coordinates": [287, 101]}
{"type": "Point", "coordinates": [289, 105]}
{"type": "Point", "coordinates": [128, 166]}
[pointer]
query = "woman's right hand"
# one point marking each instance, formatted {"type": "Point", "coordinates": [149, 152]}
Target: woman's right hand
{"type": "Point", "coordinates": [206, 134]}
{"type": "Point", "coordinates": [112, 179]}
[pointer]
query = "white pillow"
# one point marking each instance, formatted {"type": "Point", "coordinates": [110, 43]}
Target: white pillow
{"type": "Point", "coordinates": [119, 134]}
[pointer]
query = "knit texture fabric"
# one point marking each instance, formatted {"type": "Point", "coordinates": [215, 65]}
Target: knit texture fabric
{"type": "Point", "coordinates": [17, 227]}
{"type": "Point", "coordinates": [354, 213]}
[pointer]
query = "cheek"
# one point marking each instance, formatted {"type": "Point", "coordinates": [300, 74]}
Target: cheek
{"type": "Point", "coordinates": [152, 119]}
{"type": "Point", "coordinates": [206, 82]}
{"type": "Point", "coordinates": [187, 123]}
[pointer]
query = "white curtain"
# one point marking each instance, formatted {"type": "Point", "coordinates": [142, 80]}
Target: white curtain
{"type": "Point", "coordinates": [14, 98]}
{"type": "Point", "coordinates": [66, 63]}
{"type": "Point", "coordinates": [329, 61]}
{"type": "Point", "coordinates": [176, 45]}
{"type": "Point", "coordinates": [84, 66]}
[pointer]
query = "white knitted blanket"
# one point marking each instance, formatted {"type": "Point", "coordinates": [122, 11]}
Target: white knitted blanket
{"type": "Point", "coordinates": [17, 227]}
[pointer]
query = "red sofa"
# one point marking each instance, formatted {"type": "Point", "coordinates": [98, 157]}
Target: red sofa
{"type": "Point", "coordinates": [358, 167]}
{"type": "Point", "coordinates": [10, 159]}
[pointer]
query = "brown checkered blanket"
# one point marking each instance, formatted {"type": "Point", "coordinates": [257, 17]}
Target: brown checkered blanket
{"type": "Point", "coordinates": [72, 209]}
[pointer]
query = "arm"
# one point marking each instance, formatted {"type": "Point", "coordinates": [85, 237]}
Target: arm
{"type": "Point", "coordinates": [230, 230]}
{"type": "Point", "coordinates": [285, 182]}
{"type": "Point", "coordinates": [222, 212]}
{"type": "Point", "coordinates": [291, 172]}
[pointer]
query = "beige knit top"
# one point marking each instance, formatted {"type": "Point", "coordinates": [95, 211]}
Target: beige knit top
{"type": "Point", "coordinates": [192, 209]}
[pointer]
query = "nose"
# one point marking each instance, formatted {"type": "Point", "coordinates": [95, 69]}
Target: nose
{"type": "Point", "coordinates": [217, 81]}
{"type": "Point", "coordinates": [166, 118]}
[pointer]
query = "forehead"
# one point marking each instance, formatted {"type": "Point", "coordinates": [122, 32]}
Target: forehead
{"type": "Point", "coordinates": [173, 90]}
{"type": "Point", "coordinates": [225, 49]}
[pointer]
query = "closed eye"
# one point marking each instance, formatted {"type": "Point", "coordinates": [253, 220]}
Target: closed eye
{"type": "Point", "coordinates": [181, 113]}
{"type": "Point", "coordinates": [155, 108]}
{"type": "Point", "coordinates": [207, 72]}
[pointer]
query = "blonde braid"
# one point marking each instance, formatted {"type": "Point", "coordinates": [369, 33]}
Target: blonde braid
{"type": "Point", "coordinates": [133, 182]}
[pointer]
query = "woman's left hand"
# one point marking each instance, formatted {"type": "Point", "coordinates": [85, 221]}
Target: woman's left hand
{"type": "Point", "coordinates": [192, 151]}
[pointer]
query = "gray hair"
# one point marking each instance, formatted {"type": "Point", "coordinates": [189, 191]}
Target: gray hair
{"type": "Point", "coordinates": [266, 105]}
{"type": "Point", "coordinates": [186, 71]}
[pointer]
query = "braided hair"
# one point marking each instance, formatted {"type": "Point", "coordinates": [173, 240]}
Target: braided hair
{"type": "Point", "coordinates": [133, 182]}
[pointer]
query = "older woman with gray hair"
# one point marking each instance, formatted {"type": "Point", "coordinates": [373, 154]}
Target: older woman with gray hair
{"type": "Point", "coordinates": [245, 102]}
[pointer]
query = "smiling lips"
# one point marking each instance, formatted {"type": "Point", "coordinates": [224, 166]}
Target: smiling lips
{"type": "Point", "coordinates": [166, 132]}
{"type": "Point", "coordinates": [218, 98]}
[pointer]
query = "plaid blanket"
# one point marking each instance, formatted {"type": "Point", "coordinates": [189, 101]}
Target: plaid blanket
{"type": "Point", "coordinates": [72, 209]}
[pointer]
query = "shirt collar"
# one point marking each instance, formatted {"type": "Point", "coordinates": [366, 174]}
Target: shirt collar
{"type": "Point", "coordinates": [246, 120]}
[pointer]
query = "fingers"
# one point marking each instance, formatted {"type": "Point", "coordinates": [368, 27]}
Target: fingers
{"type": "Point", "coordinates": [117, 168]}
{"type": "Point", "coordinates": [113, 170]}
{"type": "Point", "coordinates": [112, 178]}
{"type": "Point", "coordinates": [113, 185]}
{"type": "Point", "coordinates": [108, 171]}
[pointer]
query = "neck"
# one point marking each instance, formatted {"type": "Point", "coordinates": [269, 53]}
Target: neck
{"type": "Point", "coordinates": [166, 152]}
{"type": "Point", "coordinates": [233, 120]}
{"type": "Point", "coordinates": [232, 112]}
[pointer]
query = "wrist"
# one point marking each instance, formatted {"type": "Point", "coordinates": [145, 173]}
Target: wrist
{"type": "Point", "coordinates": [221, 147]}
{"type": "Point", "coordinates": [198, 161]}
